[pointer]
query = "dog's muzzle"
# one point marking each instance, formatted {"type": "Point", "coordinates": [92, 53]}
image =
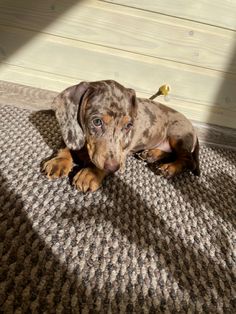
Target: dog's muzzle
{"type": "Point", "coordinates": [111, 165]}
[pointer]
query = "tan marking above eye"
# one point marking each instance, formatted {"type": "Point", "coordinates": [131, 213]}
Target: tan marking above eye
{"type": "Point", "coordinates": [125, 120]}
{"type": "Point", "coordinates": [106, 118]}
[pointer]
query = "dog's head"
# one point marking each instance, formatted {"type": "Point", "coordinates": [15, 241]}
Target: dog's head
{"type": "Point", "coordinates": [100, 115]}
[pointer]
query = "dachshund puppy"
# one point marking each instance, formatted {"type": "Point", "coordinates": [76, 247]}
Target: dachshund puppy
{"type": "Point", "coordinates": [103, 122]}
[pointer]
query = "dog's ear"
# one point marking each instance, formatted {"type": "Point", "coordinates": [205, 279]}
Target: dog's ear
{"type": "Point", "coordinates": [67, 105]}
{"type": "Point", "coordinates": [133, 100]}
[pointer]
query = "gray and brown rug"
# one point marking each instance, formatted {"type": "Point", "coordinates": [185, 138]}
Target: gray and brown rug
{"type": "Point", "coordinates": [141, 244]}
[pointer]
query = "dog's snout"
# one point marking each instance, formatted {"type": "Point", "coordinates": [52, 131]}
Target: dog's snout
{"type": "Point", "coordinates": [111, 165]}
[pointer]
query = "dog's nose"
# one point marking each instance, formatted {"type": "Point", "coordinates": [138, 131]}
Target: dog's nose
{"type": "Point", "coordinates": [111, 165]}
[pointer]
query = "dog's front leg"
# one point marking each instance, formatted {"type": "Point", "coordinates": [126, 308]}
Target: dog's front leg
{"type": "Point", "coordinates": [59, 166]}
{"type": "Point", "coordinates": [89, 179]}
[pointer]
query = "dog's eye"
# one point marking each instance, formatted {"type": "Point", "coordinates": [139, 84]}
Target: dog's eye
{"type": "Point", "coordinates": [97, 122]}
{"type": "Point", "coordinates": [128, 126]}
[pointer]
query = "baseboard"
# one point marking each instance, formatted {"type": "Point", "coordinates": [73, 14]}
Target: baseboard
{"type": "Point", "coordinates": [26, 97]}
{"type": "Point", "coordinates": [39, 99]}
{"type": "Point", "coordinates": [216, 135]}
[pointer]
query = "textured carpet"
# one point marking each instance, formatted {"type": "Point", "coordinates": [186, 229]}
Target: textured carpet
{"type": "Point", "coordinates": [141, 244]}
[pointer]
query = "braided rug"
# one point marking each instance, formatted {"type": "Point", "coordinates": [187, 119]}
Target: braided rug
{"type": "Point", "coordinates": [140, 244]}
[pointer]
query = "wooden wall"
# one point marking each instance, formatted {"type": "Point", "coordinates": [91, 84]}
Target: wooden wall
{"type": "Point", "coordinates": [188, 44]}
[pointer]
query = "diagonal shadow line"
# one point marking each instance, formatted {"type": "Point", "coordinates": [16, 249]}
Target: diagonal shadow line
{"type": "Point", "coordinates": [194, 271]}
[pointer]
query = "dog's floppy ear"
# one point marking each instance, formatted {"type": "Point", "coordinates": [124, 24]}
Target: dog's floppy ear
{"type": "Point", "coordinates": [66, 106]}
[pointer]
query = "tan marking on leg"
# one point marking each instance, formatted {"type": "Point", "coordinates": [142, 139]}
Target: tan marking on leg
{"type": "Point", "coordinates": [59, 166]}
{"type": "Point", "coordinates": [184, 159]}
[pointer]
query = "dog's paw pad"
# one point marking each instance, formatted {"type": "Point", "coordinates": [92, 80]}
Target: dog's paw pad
{"type": "Point", "coordinates": [57, 167]}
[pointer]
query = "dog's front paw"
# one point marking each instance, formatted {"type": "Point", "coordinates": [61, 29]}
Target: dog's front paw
{"type": "Point", "coordinates": [57, 167]}
{"type": "Point", "coordinates": [89, 179]}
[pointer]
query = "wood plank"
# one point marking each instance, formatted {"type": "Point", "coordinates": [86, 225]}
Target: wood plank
{"type": "Point", "coordinates": [27, 97]}
{"type": "Point", "coordinates": [216, 135]}
{"type": "Point", "coordinates": [36, 78]}
{"type": "Point", "coordinates": [196, 92]}
{"type": "Point", "coordinates": [45, 80]}
{"type": "Point", "coordinates": [126, 29]}
{"type": "Point", "coordinates": [219, 13]}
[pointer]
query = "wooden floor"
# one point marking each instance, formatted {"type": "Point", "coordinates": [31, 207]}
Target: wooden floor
{"type": "Point", "coordinates": [39, 99]}
{"type": "Point", "coordinates": [188, 44]}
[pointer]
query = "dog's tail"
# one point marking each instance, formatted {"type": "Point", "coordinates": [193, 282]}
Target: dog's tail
{"type": "Point", "coordinates": [163, 90]}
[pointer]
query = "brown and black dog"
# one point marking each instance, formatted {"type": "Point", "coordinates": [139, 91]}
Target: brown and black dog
{"type": "Point", "coordinates": [105, 122]}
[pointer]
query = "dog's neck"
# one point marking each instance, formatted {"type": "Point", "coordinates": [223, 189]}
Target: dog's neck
{"type": "Point", "coordinates": [149, 126]}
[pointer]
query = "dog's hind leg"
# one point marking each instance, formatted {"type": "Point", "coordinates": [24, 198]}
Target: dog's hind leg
{"type": "Point", "coordinates": [195, 155]}
{"type": "Point", "coordinates": [185, 159]}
